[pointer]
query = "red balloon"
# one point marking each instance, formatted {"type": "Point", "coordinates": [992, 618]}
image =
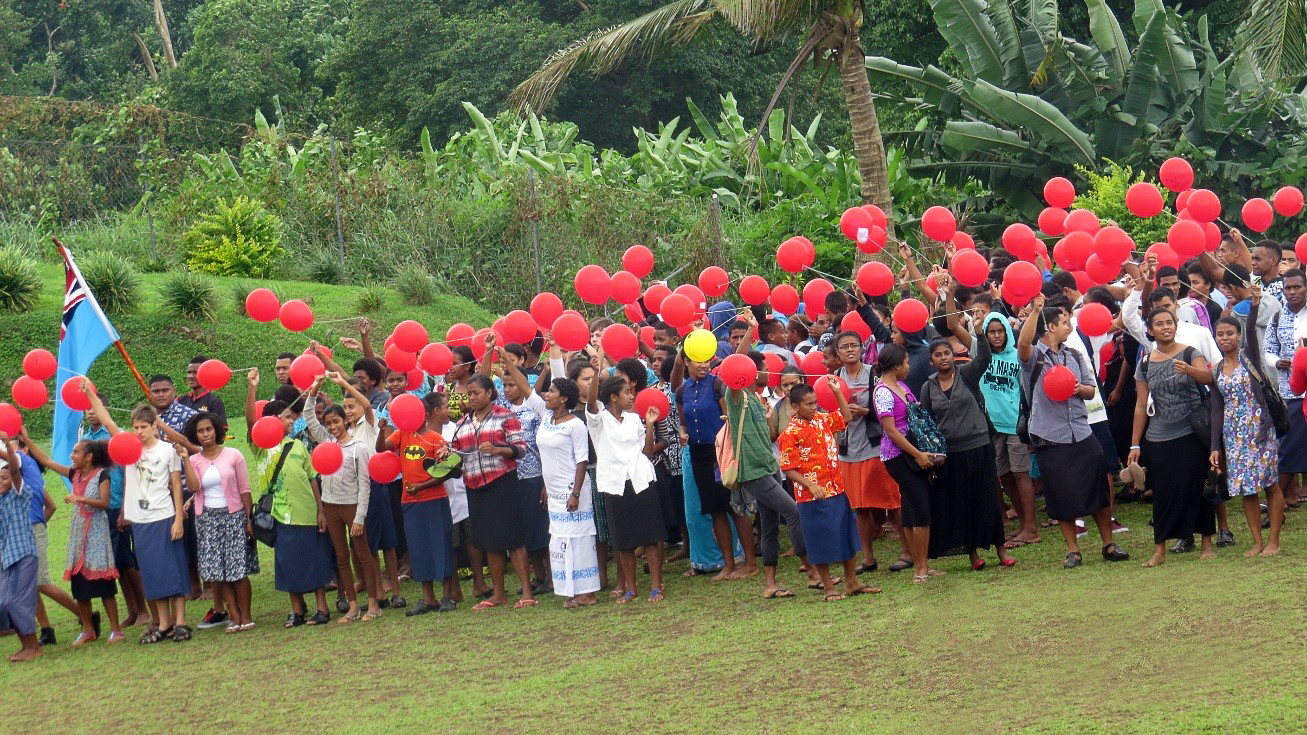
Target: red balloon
{"type": "Point", "coordinates": [826, 397]}
{"type": "Point", "coordinates": [738, 371]}
{"type": "Point", "coordinates": [1186, 238]}
{"type": "Point", "coordinates": [785, 299]}
{"type": "Point", "coordinates": [633, 312]}
{"type": "Point", "coordinates": [813, 365]}
{"type": "Point", "coordinates": [647, 336]}
{"type": "Point", "coordinates": [413, 379]}
{"type": "Point", "coordinates": [875, 278]}
{"type": "Point", "coordinates": [1288, 201]}
{"type": "Point", "coordinates": [1113, 244]}
{"type": "Point", "coordinates": [29, 392]}
{"type": "Point", "coordinates": [262, 305]}
{"type": "Point", "coordinates": [791, 255]}
{"type": "Point", "coordinates": [479, 342]}
{"type": "Point", "coordinates": [651, 398]}
{"type": "Point", "coordinates": [874, 243]}
{"type": "Point", "coordinates": [754, 290]}
{"type": "Point", "coordinates": [877, 214]}
{"type": "Point", "coordinates": [593, 284]}
{"type": "Point", "coordinates": [1081, 220]}
{"type": "Point", "coordinates": [1300, 248]}
{"type": "Point", "coordinates": [571, 332]}
{"type": "Point", "coordinates": [1023, 279]}
{"type": "Point", "coordinates": [714, 281]}
{"type": "Point", "coordinates": [969, 268]}
{"type": "Point", "coordinates": [654, 295]}
{"type": "Point", "coordinates": [963, 241]}
{"type": "Point", "coordinates": [1258, 214]}
{"type": "Point", "coordinates": [267, 432]}
{"type": "Point", "coordinates": [1052, 221]}
{"type": "Point", "coordinates": [639, 260]}
{"type": "Point", "coordinates": [625, 287]}
{"type": "Point", "coordinates": [1059, 192]}
{"type": "Point", "coordinates": [938, 223]}
{"type": "Point", "coordinates": [1019, 240]}
{"type": "Point", "coordinates": [213, 375]}
{"type": "Point", "coordinates": [1015, 299]}
{"type": "Point", "coordinates": [1182, 202]}
{"type": "Point", "coordinates": [327, 458]}
{"type": "Point", "coordinates": [1094, 319]}
{"type": "Point", "coordinates": [1176, 174]}
{"type": "Point", "coordinates": [1164, 254]}
{"type": "Point", "coordinates": [11, 421]}
{"type": "Point", "coordinates": [1079, 246]}
{"type": "Point", "coordinates": [304, 370]}
{"type": "Point", "coordinates": [545, 309]}
{"type": "Point", "coordinates": [125, 448]}
{"type": "Point", "coordinates": [853, 322]}
{"type": "Point", "coordinates": [814, 296]}
{"type": "Point", "coordinates": [856, 224]}
{"type": "Point", "coordinates": [1213, 234]}
{"type": "Point", "coordinates": [1083, 283]}
{"type": "Point", "coordinates": [519, 326]}
{"type": "Point", "coordinates": [71, 393]}
{"type": "Point", "coordinates": [1204, 205]}
{"type": "Point", "coordinates": [435, 359]}
{"type": "Point", "coordinates": [384, 467]}
{"type": "Point", "coordinates": [1144, 200]}
{"type": "Point", "coordinates": [325, 350]}
{"type": "Point", "coordinates": [694, 294]}
{"type": "Point", "coordinates": [619, 342]}
{"type": "Point", "coordinates": [774, 365]}
{"type": "Point", "coordinates": [1059, 383]}
{"type": "Point", "coordinates": [1101, 271]}
{"type": "Point", "coordinates": [910, 315]}
{"type": "Point", "coordinates": [401, 361]}
{"type": "Point", "coordinates": [407, 412]}
{"type": "Point", "coordinates": [296, 315]}
{"type": "Point", "coordinates": [410, 336]}
{"type": "Point", "coordinates": [460, 335]}
{"type": "Point", "coordinates": [809, 250]}
{"type": "Point", "coordinates": [39, 364]}
{"type": "Point", "coordinates": [677, 310]}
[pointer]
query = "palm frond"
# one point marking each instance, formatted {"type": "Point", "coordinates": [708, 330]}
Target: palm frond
{"type": "Point", "coordinates": [766, 20]}
{"type": "Point", "coordinates": [1275, 33]}
{"type": "Point", "coordinates": [602, 51]}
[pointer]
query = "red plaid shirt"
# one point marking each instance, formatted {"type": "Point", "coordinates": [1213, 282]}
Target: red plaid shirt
{"type": "Point", "coordinates": [500, 428]}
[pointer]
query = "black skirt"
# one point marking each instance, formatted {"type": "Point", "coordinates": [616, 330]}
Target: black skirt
{"type": "Point", "coordinates": [1075, 484]}
{"type": "Point", "coordinates": [635, 519]}
{"type": "Point", "coordinates": [91, 589]}
{"type": "Point", "coordinates": [534, 513]}
{"type": "Point", "coordinates": [714, 498]}
{"type": "Point", "coordinates": [964, 512]}
{"type": "Point", "coordinates": [495, 511]}
{"type": "Point", "coordinates": [914, 490]}
{"type": "Point", "coordinates": [1178, 472]}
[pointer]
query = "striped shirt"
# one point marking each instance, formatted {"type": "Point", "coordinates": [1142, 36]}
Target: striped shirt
{"type": "Point", "coordinates": [502, 429]}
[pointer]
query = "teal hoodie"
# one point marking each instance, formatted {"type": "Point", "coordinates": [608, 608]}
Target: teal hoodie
{"type": "Point", "coordinates": [1001, 383]}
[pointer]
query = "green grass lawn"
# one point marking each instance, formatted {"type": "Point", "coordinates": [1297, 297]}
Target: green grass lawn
{"type": "Point", "coordinates": [1191, 647]}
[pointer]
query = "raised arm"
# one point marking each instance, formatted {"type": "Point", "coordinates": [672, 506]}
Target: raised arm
{"type": "Point", "coordinates": [914, 274]}
{"type": "Point", "coordinates": [369, 413]}
{"type": "Point", "coordinates": [101, 413]}
{"type": "Point", "coordinates": [514, 374]}
{"type": "Point", "coordinates": [251, 400]}
{"type": "Point", "coordinates": [327, 361]}
{"type": "Point", "coordinates": [16, 477]}
{"type": "Point", "coordinates": [845, 412]}
{"type": "Point", "coordinates": [40, 456]}
{"type": "Point", "coordinates": [317, 432]}
{"type": "Point", "coordinates": [1026, 339]}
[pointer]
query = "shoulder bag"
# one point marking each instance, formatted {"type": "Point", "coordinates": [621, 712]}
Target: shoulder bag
{"type": "Point", "coordinates": [265, 528]}
{"type": "Point", "coordinates": [728, 449]}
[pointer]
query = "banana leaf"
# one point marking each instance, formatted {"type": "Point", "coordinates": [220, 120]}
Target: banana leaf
{"type": "Point", "coordinates": [1044, 121]}
{"type": "Point", "coordinates": [1114, 134]}
{"type": "Point", "coordinates": [981, 136]}
{"type": "Point", "coordinates": [972, 36]}
{"type": "Point", "coordinates": [1043, 18]}
{"type": "Point", "coordinates": [1107, 35]}
{"type": "Point", "coordinates": [1015, 73]}
{"type": "Point", "coordinates": [938, 88]}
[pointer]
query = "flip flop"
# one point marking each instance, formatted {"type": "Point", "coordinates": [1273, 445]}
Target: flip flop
{"type": "Point", "coordinates": [778, 593]}
{"type": "Point", "coordinates": [817, 585]}
{"type": "Point", "coordinates": [630, 595]}
{"type": "Point", "coordinates": [485, 605]}
{"type": "Point", "coordinates": [656, 595]}
{"type": "Point", "coordinates": [525, 603]}
{"type": "Point", "coordinates": [863, 589]}
{"type": "Point", "coordinates": [919, 578]}
{"type": "Point", "coordinates": [832, 597]}
{"type": "Point", "coordinates": [868, 568]}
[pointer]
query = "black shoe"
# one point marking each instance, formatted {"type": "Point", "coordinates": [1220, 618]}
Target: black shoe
{"type": "Point", "coordinates": [447, 605]}
{"type": "Point", "coordinates": [1225, 538]}
{"type": "Point", "coordinates": [321, 617]}
{"type": "Point", "coordinates": [422, 608]}
{"type": "Point", "coordinates": [95, 623]}
{"type": "Point", "coordinates": [1182, 546]}
{"type": "Point", "coordinates": [866, 568]}
{"type": "Point", "coordinates": [900, 565]}
{"type": "Point", "coordinates": [294, 620]}
{"type": "Point", "coordinates": [342, 605]}
{"type": "Point", "coordinates": [47, 637]}
{"type": "Point", "coordinates": [1266, 521]}
{"type": "Point", "coordinates": [398, 601]}
{"type": "Point", "coordinates": [383, 603]}
{"type": "Point", "coordinates": [213, 619]}
{"type": "Point", "coordinates": [1073, 560]}
{"type": "Point", "coordinates": [1112, 552]}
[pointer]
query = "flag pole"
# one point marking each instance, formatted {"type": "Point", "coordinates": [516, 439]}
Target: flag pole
{"type": "Point", "coordinates": [117, 342]}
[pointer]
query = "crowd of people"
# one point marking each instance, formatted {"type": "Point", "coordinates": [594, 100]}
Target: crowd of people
{"type": "Point", "coordinates": [538, 459]}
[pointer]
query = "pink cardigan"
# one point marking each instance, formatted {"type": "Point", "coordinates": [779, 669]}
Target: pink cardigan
{"type": "Point", "coordinates": [235, 478]}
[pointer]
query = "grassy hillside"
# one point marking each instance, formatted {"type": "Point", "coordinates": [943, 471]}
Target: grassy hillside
{"type": "Point", "coordinates": [161, 343]}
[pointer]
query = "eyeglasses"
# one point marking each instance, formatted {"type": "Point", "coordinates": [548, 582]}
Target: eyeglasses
{"type": "Point", "coordinates": [849, 347]}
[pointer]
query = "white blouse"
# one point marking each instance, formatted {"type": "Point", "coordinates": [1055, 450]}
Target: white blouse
{"type": "Point", "coordinates": [619, 452]}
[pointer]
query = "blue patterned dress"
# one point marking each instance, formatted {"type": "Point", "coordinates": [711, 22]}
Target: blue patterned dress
{"type": "Point", "coordinates": [1251, 463]}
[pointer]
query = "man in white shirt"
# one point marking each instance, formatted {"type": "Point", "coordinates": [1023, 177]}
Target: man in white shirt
{"type": "Point", "coordinates": [1185, 333]}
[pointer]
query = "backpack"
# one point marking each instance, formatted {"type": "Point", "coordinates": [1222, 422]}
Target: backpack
{"type": "Point", "coordinates": [923, 432]}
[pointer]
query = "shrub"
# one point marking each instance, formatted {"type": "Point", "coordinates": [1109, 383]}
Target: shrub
{"type": "Point", "coordinates": [324, 266]}
{"type": "Point", "coordinates": [20, 285]}
{"type": "Point", "coordinates": [1106, 198]}
{"type": "Point", "coordinates": [415, 286]}
{"type": "Point", "coordinates": [113, 280]}
{"type": "Point", "coordinates": [239, 239]}
{"type": "Point", "coordinates": [370, 299]}
{"type": "Point", "coordinates": [189, 295]}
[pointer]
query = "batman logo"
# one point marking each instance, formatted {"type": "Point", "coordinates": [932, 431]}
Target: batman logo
{"type": "Point", "coordinates": [414, 451]}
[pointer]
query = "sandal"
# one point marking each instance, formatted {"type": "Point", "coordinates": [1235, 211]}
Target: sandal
{"type": "Point", "coordinates": [83, 638]}
{"type": "Point", "coordinates": [115, 637]}
{"type": "Point", "coordinates": [630, 595]}
{"type": "Point", "coordinates": [778, 593]}
{"type": "Point", "coordinates": [977, 565]}
{"type": "Point", "coordinates": [656, 594]}
{"type": "Point", "coordinates": [833, 596]}
{"type": "Point", "coordinates": [294, 620]}
{"type": "Point", "coordinates": [919, 578]}
{"type": "Point", "coordinates": [321, 617]}
{"type": "Point", "coordinates": [867, 568]}
{"type": "Point", "coordinates": [1073, 560]}
{"type": "Point", "coordinates": [900, 565]}
{"type": "Point", "coordinates": [233, 627]}
{"type": "Point", "coordinates": [347, 619]}
{"type": "Point", "coordinates": [863, 589]}
{"type": "Point", "coordinates": [485, 605]}
{"type": "Point", "coordinates": [152, 635]}
{"type": "Point", "coordinates": [817, 585]}
{"type": "Point", "coordinates": [181, 634]}
{"type": "Point", "coordinates": [526, 603]}
{"type": "Point", "coordinates": [247, 626]}
{"type": "Point", "coordinates": [1113, 552]}
{"type": "Point", "coordinates": [369, 617]}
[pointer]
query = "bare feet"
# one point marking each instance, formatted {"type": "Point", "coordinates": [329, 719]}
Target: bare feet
{"type": "Point", "coordinates": [1155, 561]}
{"type": "Point", "coordinates": [1207, 554]}
{"type": "Point", "coordinates": [744, 571]}
{"type": "Point", "coordinates": [682, 554]}
{"type": "Point", "coordinates": [1271, 550]}
{"type": "Point", "coordinates": [1254, 551]}
{"type": "Point", "coordinates": [25, 654]}
{"type": "Point", "coordinates": [725, 574]}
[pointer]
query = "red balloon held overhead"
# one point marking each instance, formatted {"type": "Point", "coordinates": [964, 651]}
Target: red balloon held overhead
{"type": "Point", "coordinates": [1213, 234]}
{"type": "Point", "coordinates": [785, 299]}
{"type": "Point", "coordinates": [1013, 298]}
{"type": "Point", "coordinates": [877, 214]}
{"type": "Point", "coordinates": [654, 295]}
{"type": "Point", "coordinates": [639, 260]}
{"type": "Point", "coordinates": [677, 310]}
{"type": "Point", "coordinates": [519, 326]}
{"type": "Point", "coordinates": [1187, 238]}
{"type": "Point", "coordinates": [413, 379]}
{"type": "Point", "coordinates": [938, 223]}
{"type": "Point", "coordinates": [545, 308]}
{"type": "Point", "coordinates": [963, 241]}
{"type": "Point", "coordinates": [814, 296]}
{"type": "Point", "coordinates": [1113, 244]}
{"type": "Point", "coordinates": [73, 397]}
{"type": "Point", "coordinates": [969, 268]}
{"type": "Point", "coordinates": [1079, 246]}
{"type": "Point", "coordinates": [754, 290]}
{"type": "Point", "coordinates": [1288, 201]}
{"type": "Point", "coordinates": [213, 375]}
{"type": "Point", "coordinates": [29, 392]}
{"type": "Point", "coordinates": [267, 432]}
{"type": "Point", "coordinates": [813, 365]}
{"type": "Point", "coordinates": [1164, 255]}
{"type": "Point", "coordinates": [593, 284]}
{"type": "Point", "coordinates": [619, 342]}
{"type": "Point", "coordinates": [1052, 221]}
{"type": "Point", "coordinates": [875, 242]}
{"type": "Point", "coordinates": [1059, 192]}
{"type": "Point", "coordinates": [738, 371]}
{"type": "Point", "coordinates": [791, 256]}
{"type": "Point", "coordinates": [410, 335]}
{"type": "Point", "coordinates": [384, 467]}
{"type": "Point", "coordinates": [714, 281]}
{"type": "Point", "coordinates": [1094, 319]}
{"type": "Point", "coordinates": [325, 350]}
{"type": "Point", "coordinates": [296, 315]}
{"type": "Point", "coordinates": [910, 315]}
{"type": "Point", "coordinates": [826, 398]}
{"type": "Point", "coordinates": [327, 458]}
{"type": "Point", "coordinates": [1182, 201]}
{"type": "Point", "coordinates": [1176, 174]}
{"type": "Point", "coordinates": [651, 398]}
{"type": "Point", "coordinates": [460, 335]}
{"type": "Point", "coordinates": [856, 224]}
{"type": "Point", "coordinates": [1022, 278]}
{"type": "Point", "coordinates": [1258, 214]}
{"type": "Point", "coordinates": [1081, 220]}
{"type": "Point", "coordinates": [809, 250]}
{"type": "Point", "coordinates": [435, 359]}
{"type": "Point", "coordinates": [1203, 205]}
{"type": "Point", "coordinates": [571, 332]}
{"type": "Point", "coordinates": [407, 412]}
{"type": "Point", "coordinates": [1019, 240]}
{"type": "Point", "coordinates": [1144, 200]}
{"type": "Point", "coordinates": [11, 421]}
{"type": "Point", "coordinates": [647, 336]}
{"type": "Point", "coordinates": [694, 294]}
{"type": "Point", "coordinates": [479, 342]}
{"type": "Point", "coordinates": [932, 283]}
{"type": "Point", "coordinates": [125, 448]}
{"type": "Point", "coordinates": [1059, 383]}
{"type": "Point", "coordinates": [774, 365]}
{"type": "Point", "coordinates": [625, 287]}
{"type": "Point", "coordinates": [1101, 271]}
{"type": "Point", "coordinates": [1083, 283]}
{"type": "Point", "coordinates": [305, 369]}
{"type": "Point", "coordinates": [633, 312]}
{"type": "Point", "coordinates": [855, 323]}
{"type": "Point", "coordinates": [39, 364]}
{"type": "Point", "coordinates": [875, 278]}
{"type": "Point", "coordinates": [262, 305]}
{"type": "Point", "coordinates": [399, 360]}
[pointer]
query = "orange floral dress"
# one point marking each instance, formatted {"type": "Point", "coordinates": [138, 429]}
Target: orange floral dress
{"type": "Point", "coordinates": [809, 448]}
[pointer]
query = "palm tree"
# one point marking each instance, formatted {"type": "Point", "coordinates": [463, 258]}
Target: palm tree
{"type": "Point", "coordinates": [830, 31]}
{"type": "Point", "coordinates": [1275, 31]}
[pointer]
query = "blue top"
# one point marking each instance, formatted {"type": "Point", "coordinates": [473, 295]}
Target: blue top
{"type": "Point", "coordinates": [699, 408]}
{"type": "Point", "coordinates": [115, 472]}
{"type": "Point", "coordinates": [1001, 384]}
{"type": "Point", "coordinates": [16, 539]}
{"type": "Point", "coordinates": [34, 485]}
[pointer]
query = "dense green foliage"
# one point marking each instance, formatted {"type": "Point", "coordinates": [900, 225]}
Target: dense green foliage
{"type": "Point", "coordinates": [239, 238]}
{"type": "Point", "coordinates": [19, 284]}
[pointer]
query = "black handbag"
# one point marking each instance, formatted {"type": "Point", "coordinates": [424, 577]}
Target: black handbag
{"type": "Point", "coordinates": [262, 523]}
{"type": "Point", "coordinates": [1275, 405]}
{"type": "Point", "coordinates": [1200, 420]}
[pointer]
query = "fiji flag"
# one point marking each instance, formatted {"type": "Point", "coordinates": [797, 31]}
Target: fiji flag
{"type": "Point", "coordinates": [83, 335]}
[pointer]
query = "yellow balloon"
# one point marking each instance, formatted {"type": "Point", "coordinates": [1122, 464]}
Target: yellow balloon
{"type": "Point", "coordinates": [700, 345]}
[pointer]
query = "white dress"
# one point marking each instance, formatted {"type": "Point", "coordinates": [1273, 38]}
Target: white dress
{"type": "Point", "coordinates": [572, 557]}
